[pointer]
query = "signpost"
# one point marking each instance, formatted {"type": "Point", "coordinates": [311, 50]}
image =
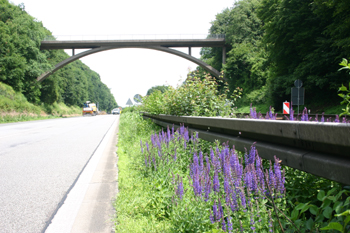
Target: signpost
{"type": "Point", "coordinates": [137, 98]}
{"type": "Point", "coordinates": [298, 93]}
{"type": "Point", "coordinates": [129, 102]}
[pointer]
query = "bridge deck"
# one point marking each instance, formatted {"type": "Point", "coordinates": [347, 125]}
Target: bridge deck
{"type": "Point", "coordinates": [86, 44]}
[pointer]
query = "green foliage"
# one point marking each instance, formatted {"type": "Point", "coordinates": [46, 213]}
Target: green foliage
{"type": "Point", "coordinates": [301, 45]}
{"type": "Point", "coordinates": [11, 101]}
{"type": "Point", "coordinates": [346, 92]}
{"type": "Point", "coordinates": [160, 88]}
{"type": "Point", "coordinates": [246, 55]}
{"type": "Point", "coordinates": [271, 43]}
{"type": "Point", "coordinates": [22, 61]}
{"type": "Point", "coordinates": [139, 203]}
{"type": "Point", "coordinates": [15, 107]}
{"type": "Point", "coordinates": [154, 103]}
{"type": "Point", "coordinates": [130, 109]}
{"type": "Point", "coordinates": [313, 202]}
{"type": "Point", "coordinates": [195, 97]}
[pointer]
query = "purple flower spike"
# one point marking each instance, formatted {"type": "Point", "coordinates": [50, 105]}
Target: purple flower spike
{"type": "Point", "coordinates": [229, 224]}
{"type": "Point", "coordinates": [223, 224]}
{"type": "Point", "coordinates": [216, 184]}
{"type": "Point", "coordinates": [215, 212]}
{"type": "Point", "coordinates": [336, 119]}
{"type": "Point", "coordinates": [180, 188]}
{"type": "Point", "coordinates": [147, 147]}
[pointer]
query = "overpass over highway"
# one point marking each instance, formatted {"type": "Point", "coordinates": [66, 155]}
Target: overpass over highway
{"type": "Point", "coordinates": [163, 45]}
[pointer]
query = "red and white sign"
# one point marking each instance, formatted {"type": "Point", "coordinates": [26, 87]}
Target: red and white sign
{"type": "Point", "coordinates": [285, 107]}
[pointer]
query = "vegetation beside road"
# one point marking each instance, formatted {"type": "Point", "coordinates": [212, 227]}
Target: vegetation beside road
{"type": "Point", "coordinates": [15, 107]}
{"type": "Point", "coordinates": [164, 187]}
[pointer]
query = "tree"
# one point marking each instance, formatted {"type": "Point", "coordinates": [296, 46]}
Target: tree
{"type": "Point", "coordinates": [22, 61]}
{"type": "Point", "coordinates": [246, 55]}
{"type": "Point", "coordinates": [162, 89]}
{"type": "Point", "coordinates": [301, 46]}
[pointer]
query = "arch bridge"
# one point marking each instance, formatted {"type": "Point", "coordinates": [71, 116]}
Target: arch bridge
{"type": "Point", "coordinates": [163, 45]}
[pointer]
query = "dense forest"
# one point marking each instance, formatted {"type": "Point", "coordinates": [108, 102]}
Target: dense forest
{"type": "Point", "coordinates": [272, 43]}
{"type": "Point", "coordinates": [22, 61]}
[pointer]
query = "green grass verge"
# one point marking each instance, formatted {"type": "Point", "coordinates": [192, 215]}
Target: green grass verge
{"type": "Point", "coordinates": [134, 191]}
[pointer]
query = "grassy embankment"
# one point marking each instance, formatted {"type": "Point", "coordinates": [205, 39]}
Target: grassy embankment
{"type": "Point", "coordinates": [14, 107]}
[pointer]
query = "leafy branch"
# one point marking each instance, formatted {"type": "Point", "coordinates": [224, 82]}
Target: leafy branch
{"type": "Point", "coordinates": [346, 92]}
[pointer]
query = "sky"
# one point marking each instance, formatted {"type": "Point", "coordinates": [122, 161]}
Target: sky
{"type": "Point", "coordinates": [130, 71]}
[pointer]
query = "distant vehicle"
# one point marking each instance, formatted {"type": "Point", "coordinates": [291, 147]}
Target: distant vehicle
{"type": "Point", "coordinates": [90, 108]}
{"type": "Point", "coordinates": [115, 111]}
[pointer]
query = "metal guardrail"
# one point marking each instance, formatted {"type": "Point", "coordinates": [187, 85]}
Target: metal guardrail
{"type": "Point", "coordinates": [322, 149]}
{"type": "Point", "coordinates": [132, 37]}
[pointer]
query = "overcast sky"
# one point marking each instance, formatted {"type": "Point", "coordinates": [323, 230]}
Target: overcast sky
{"type": "Point", "coordinates": [130, 71]}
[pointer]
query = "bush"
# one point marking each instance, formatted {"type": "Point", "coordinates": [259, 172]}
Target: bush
{"type": "Point", "coordinates": [195, 97]}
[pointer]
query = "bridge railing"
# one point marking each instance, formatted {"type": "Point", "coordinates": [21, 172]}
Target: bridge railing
{"type": "Point", "coordinates": [133, 37]}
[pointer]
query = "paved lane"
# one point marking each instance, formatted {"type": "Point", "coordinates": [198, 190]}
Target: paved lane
{"type": "Point", "coordinates": [39, 163]}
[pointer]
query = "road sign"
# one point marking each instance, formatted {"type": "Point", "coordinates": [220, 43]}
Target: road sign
{"type": "Point", "coordinates": [286, 107]}
{"type": "Point", "coordinates": [298, 83]}
{"type": "Point", "coordinates": [298, 95]}
{"type": "Point", "coordinates": [137, 98]}
{"type": "Point", "coordinates": [129, 102]}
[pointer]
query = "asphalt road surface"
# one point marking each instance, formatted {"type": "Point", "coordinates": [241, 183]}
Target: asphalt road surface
{"type": "Point", "coordinates": [40, 162]}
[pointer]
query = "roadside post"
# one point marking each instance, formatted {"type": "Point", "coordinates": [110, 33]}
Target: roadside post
{"type": "Point", "coordinates": [286, 107]}
{"type": "Point", "coordinates": [298, 93]}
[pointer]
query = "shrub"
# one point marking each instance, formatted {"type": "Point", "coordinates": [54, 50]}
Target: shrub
{"type": "Point", "coordinates": [195, 97]}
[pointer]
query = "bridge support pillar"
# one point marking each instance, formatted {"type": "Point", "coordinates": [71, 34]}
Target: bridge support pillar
{"type": "Point", "coordinates": [189, 51]}
{"type": "Point", "coordinates": [73, 52]}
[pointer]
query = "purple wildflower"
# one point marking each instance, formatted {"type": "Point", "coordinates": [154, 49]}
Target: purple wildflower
{"type": "Point", "coordinates": [336, 119]}
{"type": "Point", "coordinates": [252, 222]}
{"type": "Point", "coordinates": [207, 188]}
{"type": "Point", "coordinates": [229, 224]}
{"type": "Point", "coordinates": [216, 184]}
{"type": "Point", "coordinates": [322, 118]}
{"type": "Point", "coordinates": [180, 188]}
{"type": "Point", "coordinates": [250, 158]}
{"type": "Point", "coordinates": [223, 224]}
{"type": "Point", "coordinates": [278, 176]}
{"type": "Point", "coordinates": [215, 212]}
{"type": "Point", "coordinates": [147, 147]}
{"type": "Point", "coordinates": [227, 187]}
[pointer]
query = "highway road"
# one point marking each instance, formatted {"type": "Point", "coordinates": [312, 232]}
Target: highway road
{"type": "Point", "coordinates": [40, 162]}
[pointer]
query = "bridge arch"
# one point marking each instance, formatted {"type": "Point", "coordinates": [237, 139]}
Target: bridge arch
{"type": "Point", "coordinates": [65, 62]}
